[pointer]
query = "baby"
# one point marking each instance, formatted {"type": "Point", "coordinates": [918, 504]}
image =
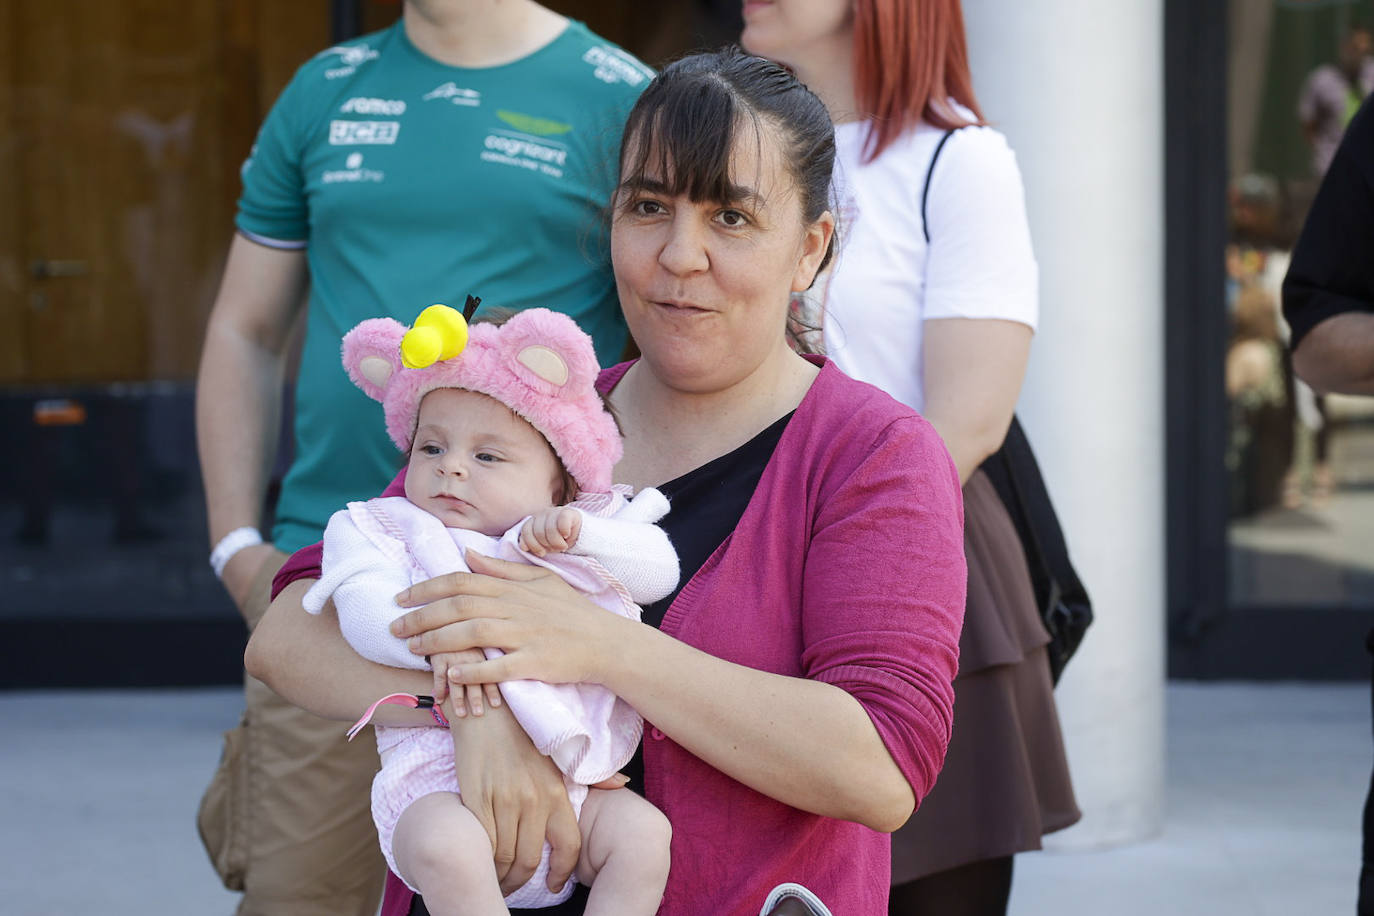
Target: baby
{"type": "Point", "coordinates": [510, 454]}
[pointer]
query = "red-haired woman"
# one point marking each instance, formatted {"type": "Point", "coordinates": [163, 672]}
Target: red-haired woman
{"type": "Point", "coordinates": [938, 308]}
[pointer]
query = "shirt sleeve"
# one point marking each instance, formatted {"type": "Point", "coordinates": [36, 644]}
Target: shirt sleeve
{"type": "Point", "coordinates": [1331, 271]}
{"type": "Point", "coordinates": [884, 593]}
{"type": "Point", "coordinates": [980, 263]}
{"type": "Point", "coordinates": [303, 564]}
{"type": "Point", "coordinates": [273, 209]}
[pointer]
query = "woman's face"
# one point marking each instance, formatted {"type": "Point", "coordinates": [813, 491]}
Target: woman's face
{"type": "Point", "coordinates": [705, 285]}
{"type": "Point", "coordinates": [789, 30]}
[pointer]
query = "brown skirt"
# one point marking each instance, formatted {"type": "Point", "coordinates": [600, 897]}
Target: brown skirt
{"type": "Point", "coordinates": [1005, 782]}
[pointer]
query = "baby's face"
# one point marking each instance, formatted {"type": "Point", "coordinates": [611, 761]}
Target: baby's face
{"type": "Point", "coordinates": [478, 466]}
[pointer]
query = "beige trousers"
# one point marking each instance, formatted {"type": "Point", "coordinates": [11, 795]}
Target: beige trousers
{"type": "Point", "coordinates": [287, 817]}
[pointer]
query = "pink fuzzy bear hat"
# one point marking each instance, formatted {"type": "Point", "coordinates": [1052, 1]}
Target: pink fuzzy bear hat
{"type": "Point", "coordinates": [539, 363]}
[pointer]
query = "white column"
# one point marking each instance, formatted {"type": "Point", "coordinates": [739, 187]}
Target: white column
{"type": "Point", "coordinates": [1077, 86]}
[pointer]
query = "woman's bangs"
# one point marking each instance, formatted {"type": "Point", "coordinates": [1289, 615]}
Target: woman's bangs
{"type": "Point", "coordinates": [692, 131]}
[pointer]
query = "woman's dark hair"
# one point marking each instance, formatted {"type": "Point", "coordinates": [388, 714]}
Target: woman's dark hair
{"type": "Point", "coordinates": [687, 120]}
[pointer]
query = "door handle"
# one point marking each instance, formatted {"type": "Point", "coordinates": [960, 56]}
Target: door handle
{"type": "Point", "coordinates": [44, 269]}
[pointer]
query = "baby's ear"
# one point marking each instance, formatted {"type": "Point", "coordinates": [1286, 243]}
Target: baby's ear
{"type": "Point", "coordinates": [551, 349]}
{"type": "Point", "coordinates": [372, 354]}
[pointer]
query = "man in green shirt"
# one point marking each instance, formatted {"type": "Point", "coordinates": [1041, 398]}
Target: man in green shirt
{"type": "Point", "coordinates": [469, 149]}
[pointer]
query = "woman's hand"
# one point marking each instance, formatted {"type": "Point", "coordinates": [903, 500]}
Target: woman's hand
{"type": "Point", "coordinates": [518, 796]}
{"type": "Point", "coordinates": [548, 631]}
{"type": "Point", "coordinates": [516, 793]}
{"type": "Point", "coordinates": [464, 700]}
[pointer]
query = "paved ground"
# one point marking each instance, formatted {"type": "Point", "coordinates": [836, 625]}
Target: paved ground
{"type": "Point", "coordinates": [98, 793]}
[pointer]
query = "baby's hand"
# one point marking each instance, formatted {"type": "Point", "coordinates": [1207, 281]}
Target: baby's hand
{"type": "Point", "coordinates": [551, 530]}
{"type": "Point", "coordinates": [472, 692]}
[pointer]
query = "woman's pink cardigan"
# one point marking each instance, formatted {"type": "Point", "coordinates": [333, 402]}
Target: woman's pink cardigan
{"type": "Point", "coordinates": [848, 568]}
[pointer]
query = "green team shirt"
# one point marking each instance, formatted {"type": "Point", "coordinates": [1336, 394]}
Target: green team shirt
{"type": "Point", "coordinates": [410, 182]}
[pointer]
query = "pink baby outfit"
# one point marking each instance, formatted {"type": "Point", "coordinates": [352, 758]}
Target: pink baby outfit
{"type": "Point", "coordinates": [373, 550]}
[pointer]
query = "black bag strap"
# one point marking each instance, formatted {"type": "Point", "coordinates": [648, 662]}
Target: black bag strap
{"type": "Point", "coordinates": [1064, 606]}
{"type": "Point", "coordinates": [1016, 475]}
{"type": "Point", "coordinates": [1016, 439]}
{"type": "Point", "coordinates": [1015, 434]}
{"type": "Point", "coordinates": [930, 170]}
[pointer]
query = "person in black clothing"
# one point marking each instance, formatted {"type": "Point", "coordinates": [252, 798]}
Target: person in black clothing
{"type": "Point", "coordinates": [1328, 300]}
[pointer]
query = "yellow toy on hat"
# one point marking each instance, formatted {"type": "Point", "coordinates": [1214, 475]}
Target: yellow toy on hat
{"type": "Point", "coordinates": [439, 333]}
{"type": "Point", "coordinates": [539, 364]}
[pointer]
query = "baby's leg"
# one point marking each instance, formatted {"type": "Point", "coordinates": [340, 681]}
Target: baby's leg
{"type": "Point", "coordinates": [624, 853]}
{"type": "Point", "coordinates": [441, 848]}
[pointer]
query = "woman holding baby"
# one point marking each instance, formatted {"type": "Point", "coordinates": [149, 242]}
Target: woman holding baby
{"type": "Point", "coordinates": [796, 686]}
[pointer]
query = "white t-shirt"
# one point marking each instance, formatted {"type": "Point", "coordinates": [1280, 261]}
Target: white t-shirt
{"type": "Point", "coordinates": [886, 281]}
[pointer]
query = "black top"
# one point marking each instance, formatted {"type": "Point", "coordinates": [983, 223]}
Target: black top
{"type": "Point", "coordinates": [713, 499]}
{"type": "Point", "coordinates": [1332, 270]}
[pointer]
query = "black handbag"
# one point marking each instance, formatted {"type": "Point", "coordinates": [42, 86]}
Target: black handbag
{"type": "Point", "coordinates": [1065, 609]}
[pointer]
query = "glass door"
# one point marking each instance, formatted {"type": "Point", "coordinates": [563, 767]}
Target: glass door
{"type": "Point", "coordinates": [1301, 465]}
{"type": "Point", "coordinates": [124, 128]}
{"type": "Point", "coordinates": [1270, 488]}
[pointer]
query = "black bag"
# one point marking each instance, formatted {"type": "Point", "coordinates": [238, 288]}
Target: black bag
{"type": "Point", "coordinates": [1065, 608]}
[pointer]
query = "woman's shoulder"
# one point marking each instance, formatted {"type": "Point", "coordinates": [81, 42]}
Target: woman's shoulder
{"type": "Point", "coordinates": [910, 151]}
{"type": "Point", "coordinates": [850, 433]}
{"type": "Point", "coordinates": [610, 376]}
{"type": "Point", "coordinates": [970, 154]}
{"type": "Point", "coordinates": [847, 413]}
{"type": "Point", "coordinates": [977, 155]}
{"type": "Point", "coordinates": [835, 392]}
{"type": "Point", "coordinates": [977, 139]}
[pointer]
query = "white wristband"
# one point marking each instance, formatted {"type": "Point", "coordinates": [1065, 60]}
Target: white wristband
{"type": "Point", "coordinates": [231, 544]}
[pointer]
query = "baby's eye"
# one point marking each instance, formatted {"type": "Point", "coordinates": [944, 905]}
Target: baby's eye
{"type": "Point", "coordinates": [429, 450]}
{"type": "Point", "coordinates": [487, 457]}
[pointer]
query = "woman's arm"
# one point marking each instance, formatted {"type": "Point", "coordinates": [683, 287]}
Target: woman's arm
{"type": "Point", "coordinates": [860, 738]}
{"type": "Point", "coordinates": [516, 792]}
{"type": "Point", "coordinates": [805, 743]}
{"type": "Point", "coordinates": [972, 378]}
{"type": "Point", "coordinates": [1328, 293]}
{"type": "Point", "coordinates": [1338, 354]}
{"type": "Point", "coordinates": [981, 297]}
{"type": "Point", "coordinates": [305, 658]}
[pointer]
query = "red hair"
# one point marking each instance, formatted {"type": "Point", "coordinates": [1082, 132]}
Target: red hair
{"type": "Point", "coordinates": [910, 60]}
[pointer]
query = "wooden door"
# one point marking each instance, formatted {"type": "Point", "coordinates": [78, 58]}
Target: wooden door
{"type": "Point", "coordinates": [123, 127]}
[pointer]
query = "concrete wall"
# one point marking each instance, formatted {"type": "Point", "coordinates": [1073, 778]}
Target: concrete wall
{"type": "Point", "coordinates": [1077, 86]}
